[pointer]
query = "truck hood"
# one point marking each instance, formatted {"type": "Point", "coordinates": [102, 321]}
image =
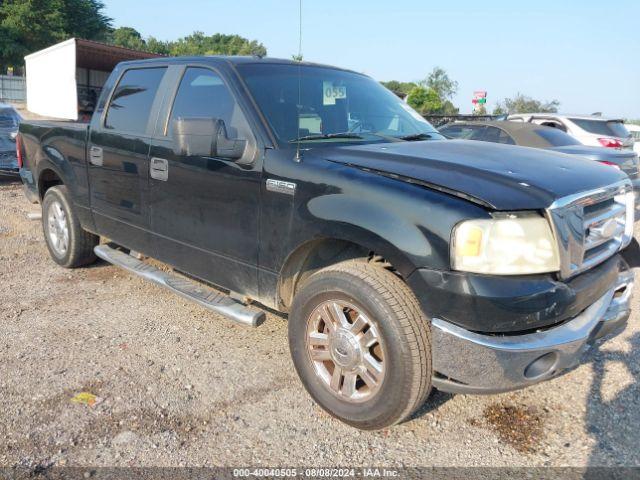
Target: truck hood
{"type": "Point", "coordinates": [502, 177]}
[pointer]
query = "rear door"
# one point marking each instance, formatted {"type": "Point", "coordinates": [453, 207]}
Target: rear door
{"type": "Point", "coordinates": [118, 154]}
{"type": "Point", "coordinates": [205, 210]}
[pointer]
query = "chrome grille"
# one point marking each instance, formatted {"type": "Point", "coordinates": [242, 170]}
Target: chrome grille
{"type": "Point", "coordinates": [592, 226]}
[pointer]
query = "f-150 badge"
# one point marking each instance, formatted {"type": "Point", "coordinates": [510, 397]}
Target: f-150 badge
{"type": "Point", "coordinates": [280, 186]}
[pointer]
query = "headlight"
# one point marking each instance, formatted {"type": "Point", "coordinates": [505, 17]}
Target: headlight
{"type": "Point", "coordinates": [515, 244]}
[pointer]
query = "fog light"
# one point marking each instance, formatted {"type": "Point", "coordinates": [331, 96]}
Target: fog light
{"type": "Point", "coordinates": [541, 366]}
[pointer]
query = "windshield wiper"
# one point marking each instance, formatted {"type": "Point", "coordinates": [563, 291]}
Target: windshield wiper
{"type": "Point", "coordinates": [416, 136]}
{"type": "Point", "coordinates": [322, 136]}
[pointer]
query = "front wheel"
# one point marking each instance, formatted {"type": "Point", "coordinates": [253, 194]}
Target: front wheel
{"type": "Point", "coordinates": [361, 344]}
{"type": "Point", "coordinates": [69, 245]}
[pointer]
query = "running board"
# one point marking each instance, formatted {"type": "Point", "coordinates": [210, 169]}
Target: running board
{"type": "Point", "coordinates": [189, 289]}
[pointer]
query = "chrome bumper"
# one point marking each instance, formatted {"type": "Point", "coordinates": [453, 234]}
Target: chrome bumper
{"type": "Point", "coordinates": [468, 362]}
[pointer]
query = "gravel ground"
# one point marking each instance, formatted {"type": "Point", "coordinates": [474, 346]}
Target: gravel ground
{"type": "Point", "coordinates": [178, 386]}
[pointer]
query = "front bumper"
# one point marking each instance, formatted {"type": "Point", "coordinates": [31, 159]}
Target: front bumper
{"type": "Point", "coordinates": [469, 362]}
{"type": "Point", "coordinates": [9, 161]}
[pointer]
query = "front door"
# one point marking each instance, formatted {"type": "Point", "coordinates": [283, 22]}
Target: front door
{"type": "Point", "coordinates": [119, 159]}
{"type": "Point", "coordinates": [205, 210]}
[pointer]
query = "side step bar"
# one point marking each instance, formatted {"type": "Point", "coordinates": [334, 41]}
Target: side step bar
{"type": "Point", "coordinates": [189, 289]}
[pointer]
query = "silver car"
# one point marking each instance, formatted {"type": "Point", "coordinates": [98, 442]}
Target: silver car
{"type": "Point", "coordinates": [592, 130]}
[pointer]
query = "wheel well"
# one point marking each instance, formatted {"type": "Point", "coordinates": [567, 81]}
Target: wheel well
{"type": "Point", "coordinates": [46, 180]}
{"type": "Point", "coordinates": [316, 255]}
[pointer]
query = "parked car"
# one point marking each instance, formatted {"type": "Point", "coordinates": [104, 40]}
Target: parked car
{"type": "Point", "coordinates": [404, 261]}
{"type": "Point", "coordinates": [539, 136]}
{"type": "Point", "coordinates": [634, 130]}
{"type": "Point", "coordinates": [588, 129]}
{"type": "Point", "coordinates": [9, 121]}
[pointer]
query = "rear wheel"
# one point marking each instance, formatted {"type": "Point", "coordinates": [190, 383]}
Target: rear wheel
{"type": "Point", "coordinates": [69, 245]}
{"type": "Point", "coordinates": [361, 344]}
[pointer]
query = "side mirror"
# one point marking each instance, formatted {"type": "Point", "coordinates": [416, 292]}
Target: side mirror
{"type": "Point", "coordinates": [226, 147]}
{"type": "Point", "coordinates": [205, 137]}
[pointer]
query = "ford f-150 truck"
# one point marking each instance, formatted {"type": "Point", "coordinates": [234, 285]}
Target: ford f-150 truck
{"type": "Point", "coordinates": [405, 261]}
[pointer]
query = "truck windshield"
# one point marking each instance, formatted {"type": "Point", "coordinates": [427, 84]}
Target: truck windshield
{"type": "Point", "coordinates": [322, 105]}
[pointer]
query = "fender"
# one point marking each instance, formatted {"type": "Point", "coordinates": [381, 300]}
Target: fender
{"type": "Point", "coordinates": [71, 167]}
{"type": "Point", "coordinates": [410, 225]}
{"type": "Point", "coordinates": [380, 230]}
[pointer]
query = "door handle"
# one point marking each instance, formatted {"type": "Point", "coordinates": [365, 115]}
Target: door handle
{"type": "Point", "coordinates": [159, 169]}
{"type": "Point", "coordinates": [95, 156]}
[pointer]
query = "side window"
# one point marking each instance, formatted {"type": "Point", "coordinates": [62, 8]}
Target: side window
{"type": "Point", "coordinates": [505, 138]}
{"type": "Point", "coordinates": [132, 100]}
{"type": "Point", "coordinates": [476, 132]}
{"type": "Point", "coordinates": [202, 93]}
{"type": "Point", "coordinates": [464, 132]}
{"type": "Point", "coordinates": [554, 124]}
{"type": "Point", "coordinates": [453, 131]}
{"type": "Point", "coordinates": [491, 134]}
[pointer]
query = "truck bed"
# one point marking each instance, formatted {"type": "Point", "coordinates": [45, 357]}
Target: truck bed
{"type": "Point", "coordinates": [55, 149]}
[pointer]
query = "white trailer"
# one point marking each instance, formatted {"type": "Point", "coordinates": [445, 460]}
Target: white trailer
{"type": "Point", "coordinates": [65, 80]}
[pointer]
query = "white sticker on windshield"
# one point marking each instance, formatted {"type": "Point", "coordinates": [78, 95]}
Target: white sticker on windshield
{"type": "Point", "coordinates": [331, 93]}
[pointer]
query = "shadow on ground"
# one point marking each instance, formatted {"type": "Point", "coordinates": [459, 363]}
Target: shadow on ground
{"type": "Point", "coordinates": [611, 422]}
{"type": "Point", "coordinates": [8, 179]}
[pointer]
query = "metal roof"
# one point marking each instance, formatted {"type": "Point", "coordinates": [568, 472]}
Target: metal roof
{"type": "Point", "coordinates": [97, 55]}
{"type": "Point", "coordinates": [100, 56]}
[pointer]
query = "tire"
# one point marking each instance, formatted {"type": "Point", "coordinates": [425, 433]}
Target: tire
{"type": "Point", "coordinates": [396, 336]}
{"type": "Point", "coordinates": [69, 245]}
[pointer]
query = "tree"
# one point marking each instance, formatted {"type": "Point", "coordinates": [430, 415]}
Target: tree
{"type": "Point", "coordinates": [218, 44]}
{"type": "Point", "coordinates": [480, 110]}
{"type": "Point", "coordinates": [523, 104]}
{"type": "Point", "coordinates": [429, 96]}
{"type": "Point", "coordinates": [161, 47]}
{"type": "Point", "coordinates": [439, 81]}
{"type": "Point", "coordinates": [498, 110]}
{"type": "Point", "coordinates": [195, 44]}
{"type": "Point", "coordinates": [30, 25]}
{"type": "Point", "coordinates": [448, 108]}
{"type": "Point", "coordinates": [128, 37]}
{"type": "Point", "coordinates": [397, 87]}
{"type": "Point", "coordinates": [84, 19]}
{"type": "Point", "coordinates": [424, 100]}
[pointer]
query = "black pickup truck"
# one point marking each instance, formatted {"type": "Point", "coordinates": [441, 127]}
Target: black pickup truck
{"type": "Point", "coordinates": [404, 261]}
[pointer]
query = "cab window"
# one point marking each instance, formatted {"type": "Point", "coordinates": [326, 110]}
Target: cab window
{"type": "Point", "coordinates": [202, 93]}
{"type": "Point", "coordinates": [132, 100]}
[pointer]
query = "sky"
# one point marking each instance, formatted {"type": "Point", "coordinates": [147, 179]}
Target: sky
{"type": "Point", "coordinates": [584, 53]}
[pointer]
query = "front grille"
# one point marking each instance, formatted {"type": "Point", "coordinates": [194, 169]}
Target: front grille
{"type": "Point", "coordinates": [592, 226]}
{"type": "Point", "coordinates": [630, 165]}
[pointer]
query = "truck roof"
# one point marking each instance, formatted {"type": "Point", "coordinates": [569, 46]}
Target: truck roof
{"type": "Point", "coordinates": [232, 59]}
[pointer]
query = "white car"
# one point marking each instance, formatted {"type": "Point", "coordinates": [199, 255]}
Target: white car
{"type": "Point", "coordinates": [587, 129]}
{"type": "Point", "coordinates": [635, 133]}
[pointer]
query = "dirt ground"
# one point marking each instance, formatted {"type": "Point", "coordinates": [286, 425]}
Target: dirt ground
{"type": "Point", "coordinates": [177, 386]}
